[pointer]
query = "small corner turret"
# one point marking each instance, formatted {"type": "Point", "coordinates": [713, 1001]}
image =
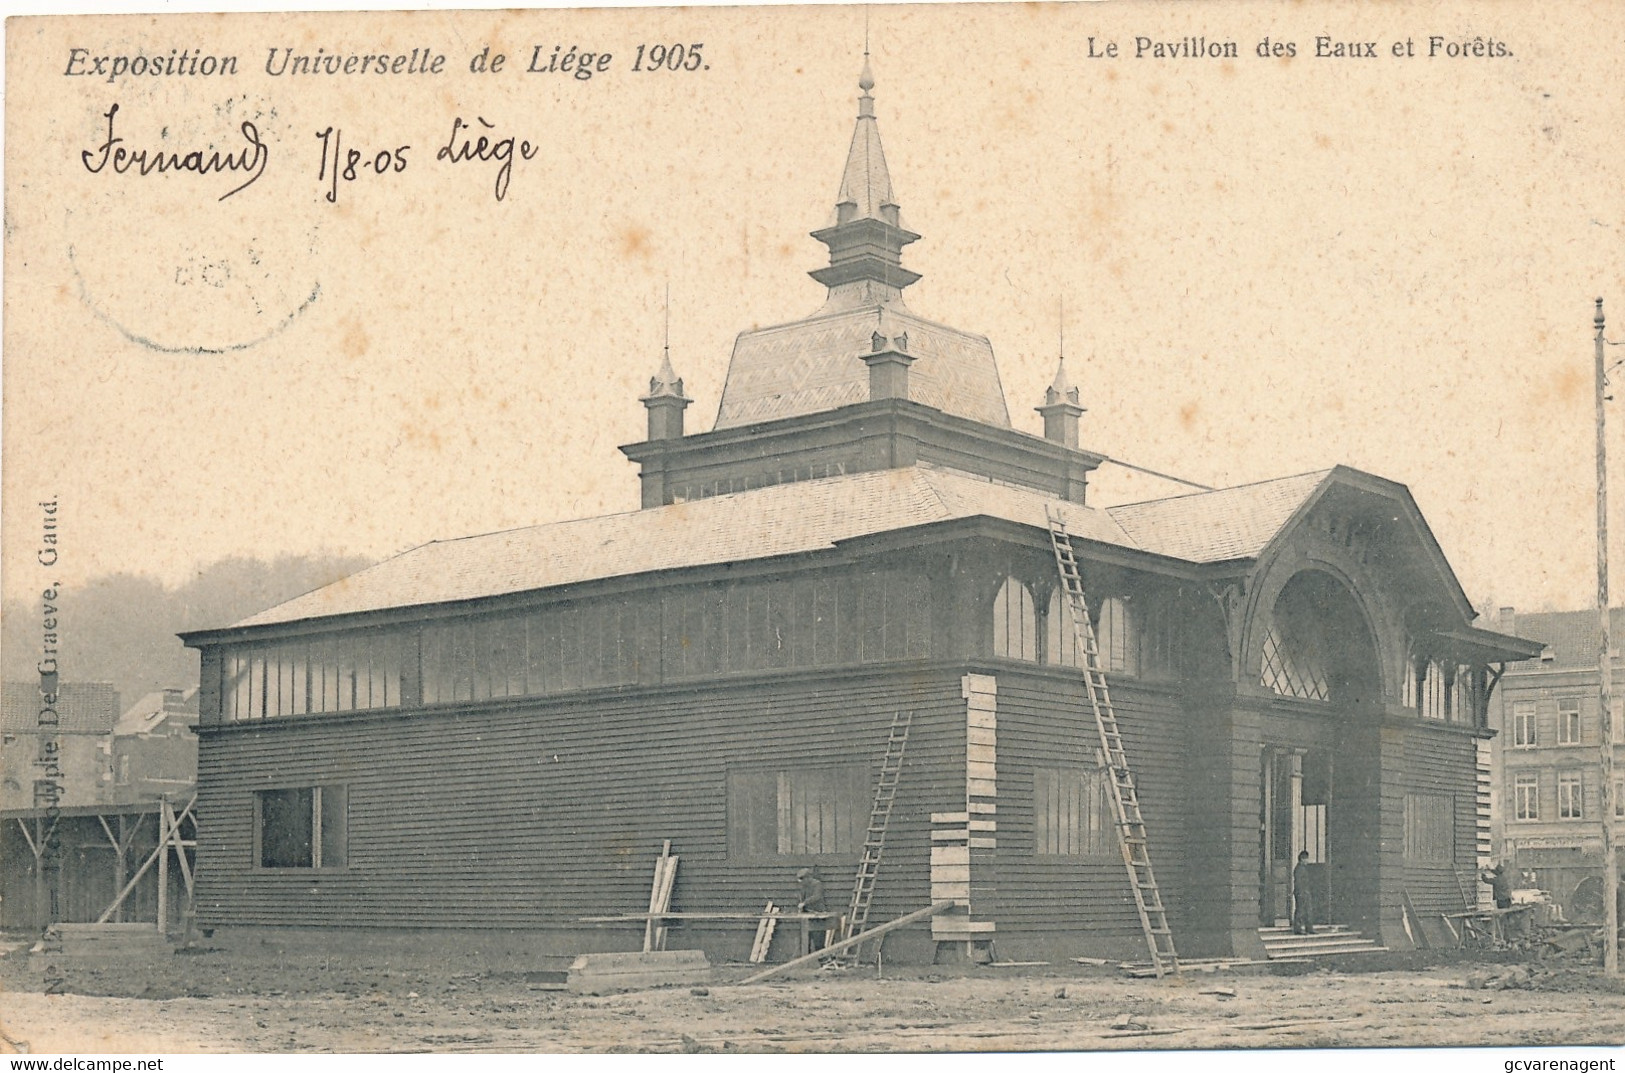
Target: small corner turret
{"type": "Point", "coordinates": [666, 402]}
{"type": "Point", "coordinates": [1061, 408]}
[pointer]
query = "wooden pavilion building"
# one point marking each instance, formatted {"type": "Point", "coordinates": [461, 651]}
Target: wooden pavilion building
{"type": "Point", "coordinates": [497, 732]}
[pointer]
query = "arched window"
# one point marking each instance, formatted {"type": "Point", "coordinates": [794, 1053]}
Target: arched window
{"type": "Point", "coordinates": [1061, 643]}
{"type": "Point", "coordinates": [1117, 632]}
{"type": "Point", "coordinates": [1015, 621]}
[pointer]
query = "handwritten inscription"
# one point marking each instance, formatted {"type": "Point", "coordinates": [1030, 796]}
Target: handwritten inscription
{"type": "Point", "coordinates": [483, 148]}
{"type": "Point", "coordinates": [251, 159]}
{"type": "Point", "coordinates": [351, 163]}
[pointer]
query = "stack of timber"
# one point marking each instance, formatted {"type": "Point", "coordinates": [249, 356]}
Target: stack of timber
{"type": "Point", "coordinates": [105, 940]}
{"type": "Point", "coordinates": [598, 974]}
{"type": "Point", "coordinates": [654, 932]}
{"type": "Point", "coordinates": [764, 934]}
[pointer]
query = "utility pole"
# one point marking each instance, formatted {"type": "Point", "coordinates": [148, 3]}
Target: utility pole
{"type": "Point", "coordinates": [1605, 674]}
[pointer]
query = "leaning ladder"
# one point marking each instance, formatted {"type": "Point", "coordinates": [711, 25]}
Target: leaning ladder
{"type": "Point", "coordinates": [1125, 801]}
{"type": "Point", "coordinates": [874, 843]}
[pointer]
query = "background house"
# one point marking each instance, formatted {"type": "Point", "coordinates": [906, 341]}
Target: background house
{"type": "Point", "coordinates": [66, 857]}
{"type": "Point", "coordinates": [1548, 807]}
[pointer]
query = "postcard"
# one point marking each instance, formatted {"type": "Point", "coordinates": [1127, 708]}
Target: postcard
{"type": "Point", "coordinates": [853, 527]}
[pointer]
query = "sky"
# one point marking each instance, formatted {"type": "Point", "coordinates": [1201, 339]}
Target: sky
{"type": "Point", "coordinates": [1267, 266]}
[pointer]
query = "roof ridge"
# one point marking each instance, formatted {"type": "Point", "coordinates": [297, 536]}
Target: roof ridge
{"type": "Point", "coordinates": [1227, 488]}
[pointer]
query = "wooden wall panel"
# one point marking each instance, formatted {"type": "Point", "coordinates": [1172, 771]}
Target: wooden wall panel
{"type": "Point", "coordinates": [1045, 721]}
{"type": "Point", "coordinates": [533, 813]}
{"type": "Point", "coordinates": [1443, 761]}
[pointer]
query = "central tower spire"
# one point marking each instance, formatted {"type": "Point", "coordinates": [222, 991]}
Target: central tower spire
{"type": "Point", "coordinates": [867, 238]}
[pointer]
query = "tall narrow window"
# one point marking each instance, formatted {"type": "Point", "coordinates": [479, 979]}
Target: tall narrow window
{"type": "Point", "coordinates": [1430, 829]}
{"type": "Point", "coordinates": [1118, 634]}
{"type": "Point", "coordinates": [1523, 724]}
{"type": "Point", "coordinates": [1570, 796]}
{"type": "Point", "coordinates": [1061, 643]}
{"type": "Point", "coordinates": [1526, 797]}
{"type": "Point", "coordinates": [1568, 720]}
{"type": "Point", "coordinates": [1015, 621]}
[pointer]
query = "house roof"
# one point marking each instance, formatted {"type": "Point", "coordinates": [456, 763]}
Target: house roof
{"type": "Point", "coordinates": [815, 364]}
{"type": "Point", "coordinates": [150, 712]}
{"type": "Point", "coordinates": [1210, 527]}
{"type": "Point", "coordinates": [1572, 636]}
{"type": "Point", "coordinates": [81, 707]}
{"type": "Point", "coordinates": [762, 523]}
{"type": "Point", "coordinates": [789, 519]}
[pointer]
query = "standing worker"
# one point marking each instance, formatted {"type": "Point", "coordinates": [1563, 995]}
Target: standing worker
{"type": "Point", "coordinates": [812, 901]}
{"type": "Point", "coordinates": [1500, 885]}
{"type": "Point", "coordinates": [1302, 915]}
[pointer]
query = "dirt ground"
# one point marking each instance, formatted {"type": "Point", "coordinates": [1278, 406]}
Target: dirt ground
{"type": "Point", "coordinates": [281, 1001]}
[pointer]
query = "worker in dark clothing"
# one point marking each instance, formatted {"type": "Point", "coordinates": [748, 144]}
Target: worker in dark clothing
{"type": "Point", "coordinates": [812, 901]}
{"type": "Point", "coordinates": [1302, 914]}
{"type": "Point", "coordinates": [1500, 885]}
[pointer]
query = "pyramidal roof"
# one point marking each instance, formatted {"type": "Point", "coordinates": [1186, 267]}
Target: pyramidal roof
{"type": "Point", "coordinates": [815, 363]}
{"type": "Point", "coordinates": [866, 182]}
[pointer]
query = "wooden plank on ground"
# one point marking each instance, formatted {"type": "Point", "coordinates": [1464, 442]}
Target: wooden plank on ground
{"type": "Point", "coordinates": [764, 935]}
{"type": "Point", "coordinates": [657, 904]}
{"type": "Point", "coordinates": [864, 936]}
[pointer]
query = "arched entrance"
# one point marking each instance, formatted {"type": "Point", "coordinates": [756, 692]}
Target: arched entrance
{"type": "Point", "coordinates": [1319, 763]}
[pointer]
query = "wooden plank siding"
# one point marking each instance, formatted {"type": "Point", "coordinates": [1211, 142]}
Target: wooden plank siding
{"type": "Point", "coordinates": [1442, 761]}
{"type": "Point", "coordinates": [1045, 722]}
{"type": "Point", "coordinates": [531, 813]}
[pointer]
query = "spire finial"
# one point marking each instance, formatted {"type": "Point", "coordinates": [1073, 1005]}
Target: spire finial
{"type": "Point", "coordinates": [866, 237]}
{"type": "Point", "coordinates": [666, 383]}
{"type": "Point", "coordinates": [1061, 389]}
{"type": "Point", "coordinates": [1060, 324]}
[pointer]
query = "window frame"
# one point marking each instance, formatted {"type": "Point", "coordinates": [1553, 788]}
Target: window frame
{"type": "Point", "coordinates": [1571, 795]}
{"type": "Point", "coordinates": [1430, 828]}
{"type": "Point", "coordinates": [1015, 604]}
{"type": "Point", "coordinates": [1100, 838]}
{"type": "Point", "coordinates": [750, 786]}
{"type": "Point", "coordinates": [1520, 798]}
{"type": "Point", "coordinates": [1569, 718]}
{"type": "Point", "coordinates": [1525, 714]}
{"type": "Point", "coordinates": [321, 796]}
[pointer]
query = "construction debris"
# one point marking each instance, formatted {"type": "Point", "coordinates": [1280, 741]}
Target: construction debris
{"type": "Point", "coordinates": [598, 974]}
{"type": "Point", "coordinates": [1221, 992]}
{"type": "Point", "coordinates": [764, 934]}
{"type": "Point", "coordinates": [835, 948]}
{"type": "Point", "coordinates": [1511, 978]}
{"type": "Point", "coordinates": [654, 932]}
{"type": "Point", "coordinates": [105, 940]}
{"type": "Point", "coordinates": [1126, 1022]}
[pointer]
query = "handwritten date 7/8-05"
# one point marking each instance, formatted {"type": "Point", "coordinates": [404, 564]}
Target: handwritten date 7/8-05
{"type": "Point", "coordinates": [467, 142]}
{"type": "Point", "coordinates": [341, 161]}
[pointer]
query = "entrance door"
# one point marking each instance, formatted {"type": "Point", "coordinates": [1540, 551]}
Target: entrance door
{"type": "Point", "coordinates": [1295, 797]}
